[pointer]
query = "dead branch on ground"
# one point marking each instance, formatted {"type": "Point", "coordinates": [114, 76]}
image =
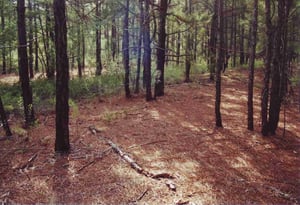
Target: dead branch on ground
{"type": "Point", "coordinates": [133, 163]}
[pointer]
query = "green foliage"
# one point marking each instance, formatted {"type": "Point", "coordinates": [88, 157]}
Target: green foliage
{"type": "Point", "coordinates": [199, 68]}
{"type": "Point", "coordinates": [295, 80]}
{"type": "Point", "coordinates": [258, 64]}
{"type": "Point", "coordinates": [174, 74]}
{"type": "Point", "coordinates": [11, 97]}
{"type": "Point", "coordinates": [74, 108]}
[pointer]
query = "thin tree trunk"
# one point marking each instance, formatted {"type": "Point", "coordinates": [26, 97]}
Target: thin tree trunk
{"type": "Point", "coordinates": [268, 60]}
{"type": "Point", "coordinates": [178, 48]}
{"type": "Point", "coordinates": [4, 119]}
{"type": "Point", "coordinates": [31, 40]}
{"type": "Point", "coordinates": [36, 41]}
{"type": "Point", "coordinates": [139, 51]}
{"type": "Point", "coordinates": [147, 51]}
{"type": "Point", "coordinates": [188, 47]}
{"type": "Point", "coordinates": [242, 37]}
{"type": "Point", "coordinates": [251, 65]}
{"type": "Point", "coordinates": [213, 43]}
{"type": "Point", "coordinates": [62, 79]}
{"type": "Point", "coordinates": [3, 49]}
{"type": "Point", "coordinates": [113, 39]}
{"type": "Point", "coordinates": [234, 36]}
{"type": "Point", "coordinates": [125, 48]}
{"type": "Point", "coordinates": [23, 65]}
{"type": "Point", "coordinates": [161, 50]}
{"type": "Point", "coordinates": [98, 41]}
{"type": "Point", "coordinates": [45, 45]}
{"type": "Point", "coordinates": [220, 62]}
{"type": "Point", "coordinates": [79, 54]}
{"type": "Point", "coordinates": [49, 50]}
{"type": "Point", "coordinates": [195, 44]}
{"type": "Point", "coordinates": [83, 49]}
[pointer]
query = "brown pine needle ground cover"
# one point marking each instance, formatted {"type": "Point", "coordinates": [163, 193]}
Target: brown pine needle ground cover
{"type": "Point", "coordinates": [174, 135]}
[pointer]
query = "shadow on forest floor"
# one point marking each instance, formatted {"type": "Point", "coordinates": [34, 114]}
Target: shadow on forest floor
{"type": "Point", "coordinates": [174, 135]}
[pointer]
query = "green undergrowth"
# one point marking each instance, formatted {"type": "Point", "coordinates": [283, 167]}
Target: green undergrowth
{"type": "Point", "coordinates": [43, 91]}
{"type": "Point", "coordinates": [110, 83]}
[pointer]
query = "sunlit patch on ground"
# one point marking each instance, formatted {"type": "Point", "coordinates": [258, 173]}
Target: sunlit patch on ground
{"type": "Point", "coordinates": [175, 134]}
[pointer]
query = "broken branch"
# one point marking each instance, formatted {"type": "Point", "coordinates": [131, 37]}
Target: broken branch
{"type": "Point", "coordinates": [133, 163]}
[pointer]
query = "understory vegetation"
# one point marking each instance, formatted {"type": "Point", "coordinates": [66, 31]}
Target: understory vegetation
{"type": "Point", "coordinates": [109, 83]}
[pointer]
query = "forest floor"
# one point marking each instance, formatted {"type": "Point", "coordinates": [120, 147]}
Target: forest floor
{"type": "Point", "coordinates": [174, 138]}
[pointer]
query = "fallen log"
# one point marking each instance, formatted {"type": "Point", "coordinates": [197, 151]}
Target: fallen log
{"type": "Point", "coordinates": [170, 184]}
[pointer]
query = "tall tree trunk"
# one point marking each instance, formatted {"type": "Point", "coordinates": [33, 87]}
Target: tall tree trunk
{"type": "Point", "coordinates": [248, 45]}
{"type": "Point", "coordinates": [242, 37]}
{"type": "Point", "coordinates": [178, 48]}
{"type": "Point", "coordinates": [49, 39]}
{"type": "Point", "coordinates": [83, 48]}
{"type": "Point", "coordinates": [139, 51]}
{"type": "Point", "coordinates": [195, 44]}
{"type": "Point", "coordinates": [3, 48]}
{"type": "Point", "coordinates": [188, 46]}
{"type": "Point", "coordinates": [4, 119]}
{"type": "Point", "coordinates": [234, 36]}
{"type": "Point", "coordinates": [251, 65]}
{"type": "Point", "coordinates": [23, 65]}
{"type": "Point", "coordinates": [242, 55]}
{"type": "Point", "coordinates": [161, 49]}
{"type": "Point", "coordinates": [147, 51]}
{"type": "Point", "coordinates": [220, 62]}
{"type": "Point", "coordinates": [213, 43]}
{"type": "Point", "coordinates": [79, 43]}
{"type": "Point", "coordinates": [98, 41]}
{"type": "Point", "coordinates": [83, 42]}
{"type": "Point", "coordinates": [267, 71]}
{"type": "Point", "coordinates": [279, 78]}
{"type": "Point", "coordinates": [125, 48]}
{"type": "Point", "coordinates": [113, 39]}
{"type": "Point", "coordinates": [45, 61]}
{"type": "Point", "coordinates": [36, 41]}
{"type": "Point", "coordinates": [30, 40]}
{"type": "Point", "coordinates": [62, 78]}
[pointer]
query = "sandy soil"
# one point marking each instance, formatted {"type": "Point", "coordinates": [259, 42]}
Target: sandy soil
{"type": "Point", "coordinates": [173, 136]}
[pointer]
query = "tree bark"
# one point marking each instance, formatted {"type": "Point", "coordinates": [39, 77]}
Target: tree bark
{"type": "Point", "coordinates": [4, 119]}
{"type": "Point", "coordinates": [242, 33]}
{"type": "Point", "coordinates": [49, 39]}
{"type": "Point", "coordinates": [188, 57]}
{"type": "Point", "coordinates": [234, 36]}
{"type": "Point", "coordinates": [267, 71]}
{"type": "Point", "coordinates": [178, 48]}
{"type": "Point", "coordinates": [220, 62]}
{"type": "Point", "coordinates": [36, 41]}
{"type": "Point", "coordinates": [213, 43]}
{"type": "Point", "coordinates": [79, 54]}
{"type": "Point", "coordinates": [3, 49]}
{"type": "Point", "coordinates": [23, 65]}
{"type": "Point", "coordinates": [147, 51]}
{"type": "Point", "coordinates": [62, 79]}
{"type": "Point", "coordinates": [279, 77]}
{"type": "Point", "coordinates": [161, 49]}
{"type": "Point", "coordinates": [30, 39]}
{"type": "Point", "coordinates": [251, 65]}
{"type": "Point", "coordinates": [125, 50]}
{"type": "Point", "coordinates": [98, 41]}
{"type": "Point", "coordinates": [139, 51]}
{"type": "Point", "coordinates": [113, 39]}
